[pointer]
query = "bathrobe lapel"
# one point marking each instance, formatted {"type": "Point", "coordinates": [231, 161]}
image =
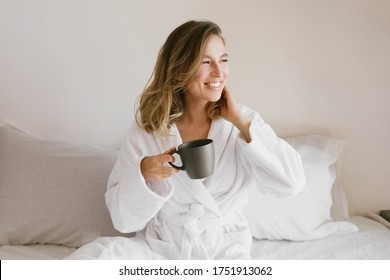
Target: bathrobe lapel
{"type": "Point", "coordinates": [219, 132]}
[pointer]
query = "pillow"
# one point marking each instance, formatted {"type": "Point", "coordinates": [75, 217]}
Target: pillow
{"type": "Point", "coordinates": [307, 215]}
{"type": "Point", "coordinates": [52, 192]}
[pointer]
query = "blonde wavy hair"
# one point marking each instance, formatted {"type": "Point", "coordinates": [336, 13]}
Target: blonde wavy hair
{"type": "Point", "coordinates": [178, 61]}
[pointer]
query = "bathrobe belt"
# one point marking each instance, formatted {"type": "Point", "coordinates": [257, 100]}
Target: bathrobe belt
{"type": "Point", "coordinates": [194, 226]}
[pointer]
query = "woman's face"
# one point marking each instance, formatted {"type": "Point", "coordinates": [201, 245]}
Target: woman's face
{"type": "Point", "coordinates": [212, 74]}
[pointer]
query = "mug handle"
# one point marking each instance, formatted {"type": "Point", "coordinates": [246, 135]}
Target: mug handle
{"type": "Point", "coordinates": [175, 166]}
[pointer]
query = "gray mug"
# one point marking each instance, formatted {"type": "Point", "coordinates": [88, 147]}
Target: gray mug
{"type": "Point", "coordinates": [197, 158]}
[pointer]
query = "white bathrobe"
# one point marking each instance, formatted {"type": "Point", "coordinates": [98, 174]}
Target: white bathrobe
{"type": "Point", "coordinates": [182, 218]}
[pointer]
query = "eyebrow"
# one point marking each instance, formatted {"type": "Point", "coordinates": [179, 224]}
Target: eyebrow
{"type": "Point", "coordinates": [224, 55]}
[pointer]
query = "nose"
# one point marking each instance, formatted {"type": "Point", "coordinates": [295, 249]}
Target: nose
{"type": "Point", "coordinates": [217, 71]}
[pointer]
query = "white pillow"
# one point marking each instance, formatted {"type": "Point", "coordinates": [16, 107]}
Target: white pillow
{"type": "Point", "coordinates": [307, 215]}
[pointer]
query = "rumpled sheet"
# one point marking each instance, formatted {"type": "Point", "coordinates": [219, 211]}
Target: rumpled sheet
{"type": "Point", "coordinates": [371, 242]}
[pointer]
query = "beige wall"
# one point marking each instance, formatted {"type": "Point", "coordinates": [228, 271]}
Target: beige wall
{"type": "Point", "coordinates": [72, 69]}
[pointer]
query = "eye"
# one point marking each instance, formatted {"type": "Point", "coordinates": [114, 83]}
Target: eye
{"type": "Point", "coordinates": [224, 60]}
{"type": "Point", "coordinates": [206, 62]}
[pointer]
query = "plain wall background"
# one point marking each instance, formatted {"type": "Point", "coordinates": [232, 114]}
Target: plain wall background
{"type": "Point", "coordinates": [72, 70]}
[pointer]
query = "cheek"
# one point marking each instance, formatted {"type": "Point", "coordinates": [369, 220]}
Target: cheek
{"type": "Point", "coordinates": [201, 76]}
{"type": "Point", "coordinates": [226, 72]}
{"type": "Point", "coordinates": [197, 79]}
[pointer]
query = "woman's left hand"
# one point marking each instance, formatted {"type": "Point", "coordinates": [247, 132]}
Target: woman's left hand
{"type": "Point", "coordinates": [230, 111]}
{"type": "Point", "coordinates": [228, 107]}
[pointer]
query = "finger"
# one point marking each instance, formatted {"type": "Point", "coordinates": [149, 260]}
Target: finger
{"type": "Point", "coordinates": [166, 158]}
{"type": "Point", "coordinates": [165, 172]}
{"type": "Point", "coordinates": [227, 94]}
{"type": "Point", "coordinates": [170, 170]}
{"type": "Point", "coordinates": [225, 90]}
{"type": "Point", "coordinates": [224, 96]}
{"type": "Point", "coordinates": [170, 151]}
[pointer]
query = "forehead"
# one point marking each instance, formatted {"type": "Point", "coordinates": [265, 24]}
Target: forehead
{"type": "Point", "coordinates": [214, 46]}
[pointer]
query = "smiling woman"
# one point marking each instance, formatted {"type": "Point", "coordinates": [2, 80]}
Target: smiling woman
{"type": "Point", "coordinates": [176, 217]}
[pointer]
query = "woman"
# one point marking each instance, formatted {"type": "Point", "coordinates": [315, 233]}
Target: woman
{"type": "Point", "coordinates": [174, 216]}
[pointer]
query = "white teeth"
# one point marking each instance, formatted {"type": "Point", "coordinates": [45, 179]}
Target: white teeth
{"type": "Point", "coordinates": [217, 84]}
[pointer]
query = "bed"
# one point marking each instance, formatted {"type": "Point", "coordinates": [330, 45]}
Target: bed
{"type": "Point", "coordinates": [371, 242]}
{"type": "Point", "coordinates": [52, 202]}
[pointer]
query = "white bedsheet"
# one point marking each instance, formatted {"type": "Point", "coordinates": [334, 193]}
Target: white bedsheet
{"type": "Point", "coordinates": [371, 242]}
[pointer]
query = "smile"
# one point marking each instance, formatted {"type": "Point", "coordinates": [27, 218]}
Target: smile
{"type": "Point", "coordinates": [214, 85]}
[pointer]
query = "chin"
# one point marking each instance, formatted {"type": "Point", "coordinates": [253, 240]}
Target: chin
{"type": "Point", "coordinates": [214, 97]}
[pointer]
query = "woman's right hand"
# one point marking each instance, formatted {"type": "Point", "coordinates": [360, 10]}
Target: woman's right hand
{"type": "Point", "coordinates": [153, 168]}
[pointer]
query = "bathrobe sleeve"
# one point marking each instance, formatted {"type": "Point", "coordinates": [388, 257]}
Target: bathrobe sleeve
{"type": "Point", "coordinates": [271, 163]}
{"type": "Point", "coordinates": [130, 201]}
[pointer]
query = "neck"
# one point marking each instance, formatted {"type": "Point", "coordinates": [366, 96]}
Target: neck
{"type": "Point", "coordinates": [194, 113]}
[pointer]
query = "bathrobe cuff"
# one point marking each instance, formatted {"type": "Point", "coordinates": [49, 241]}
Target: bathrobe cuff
{"type": "Point", "coordinates": [162, 188]}
{"type": "Point", "coordinates": [263, 138]}
{"type": "Point", "coordinates": [270, 161]}
{"type": "Point", "coordinates": [132, 203]}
